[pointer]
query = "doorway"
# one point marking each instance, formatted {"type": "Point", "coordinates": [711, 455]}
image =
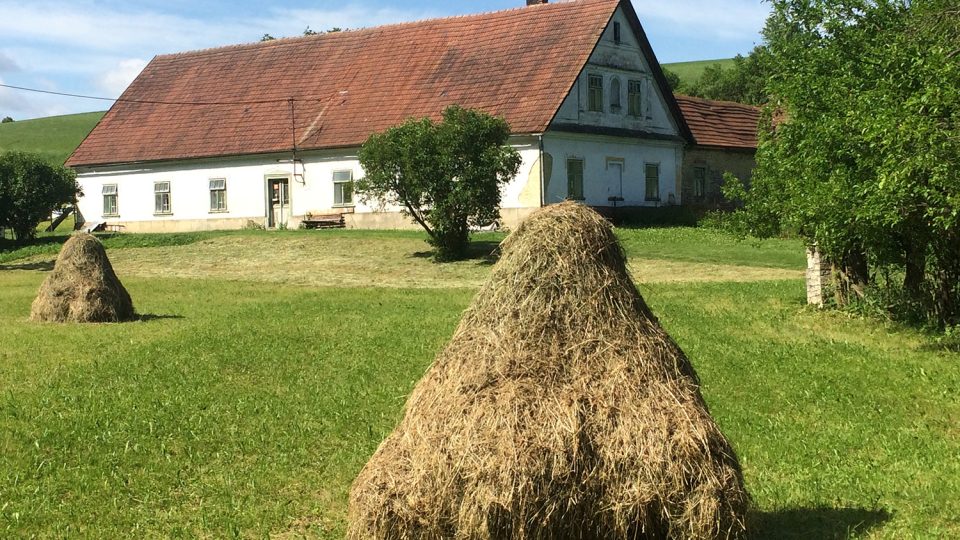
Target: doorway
{"type": "Point", "coordinates": [614, 180]}
{"type": "Point", "coordinates": [278, 202]}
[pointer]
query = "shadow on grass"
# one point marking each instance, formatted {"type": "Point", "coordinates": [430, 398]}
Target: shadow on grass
{"type": "Point", "coordinates": [44, 266]}
{"type": "Point", "coordinates": [485, 252]}
{"type": "Point", "coordinates": [147, 317]}
{"type": "Point", "coordinates": [821, 523]}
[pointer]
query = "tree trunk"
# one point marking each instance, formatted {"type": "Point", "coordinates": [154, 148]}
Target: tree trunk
{"type": "Point", "coordinates": [852, 274]}
{"type": "Point", "coordinates": [916, 264]}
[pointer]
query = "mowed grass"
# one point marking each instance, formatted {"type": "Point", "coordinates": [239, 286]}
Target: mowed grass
{"type": "Point", "coordinates": [54, 137]}
{"type": "Point", "coordinates": [244, 405]}
{"type": "Point", "coordinates": [689, 72]}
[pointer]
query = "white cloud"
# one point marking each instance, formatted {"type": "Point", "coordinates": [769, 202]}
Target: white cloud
{"type": "Point", "coordinates": [7, 63]}
{"type": "Point", "coordinates": [116, 80]}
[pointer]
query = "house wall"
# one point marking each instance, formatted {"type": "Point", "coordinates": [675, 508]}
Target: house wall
{"type": "Point", "coordinates": [597, 153]}
{"type": "Point", "coordinates": [311, 191]}
{"type": "Point", "coordinates": [716, 162]}
{"type": "Point", "coordinates": [624, 62]}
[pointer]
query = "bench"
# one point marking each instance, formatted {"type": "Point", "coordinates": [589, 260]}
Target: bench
{"type": "Point", "coordinates": [323, 221]}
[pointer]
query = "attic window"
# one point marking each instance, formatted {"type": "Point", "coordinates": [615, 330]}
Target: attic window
{"type": "Point", "coordinates": [616, 32]}
{"type": "Point", "coordinates": [595, 93]}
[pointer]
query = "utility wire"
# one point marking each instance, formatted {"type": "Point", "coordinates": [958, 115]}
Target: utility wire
{"type": "Point", "coordinates": [158, 102]}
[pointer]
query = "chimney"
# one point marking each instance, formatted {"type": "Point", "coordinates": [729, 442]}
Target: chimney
{"type": "Point", "coordinates": [535, 2]}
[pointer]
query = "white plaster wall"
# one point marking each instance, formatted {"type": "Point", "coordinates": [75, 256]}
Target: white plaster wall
{"type": "Point", "coordinates": [596, 150]}
{"type": "Point", "coordinates": [624, 61]}
{"type": "Point", "coordinates": [311, 188]}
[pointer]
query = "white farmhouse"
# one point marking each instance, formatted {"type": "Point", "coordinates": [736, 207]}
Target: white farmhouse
{"type": "Point", "coordinates": [269, 132]}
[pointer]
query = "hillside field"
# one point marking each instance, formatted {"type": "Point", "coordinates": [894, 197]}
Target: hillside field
{"type": "Point", "coordinates": [689, 72]}
{"type": "Point", "coordinates": [268, 365]}
{"type": "Point", "coordinates": [54, 137]}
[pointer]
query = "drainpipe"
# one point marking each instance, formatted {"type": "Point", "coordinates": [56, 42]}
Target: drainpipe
{"type": "Point", "coordinates": [543, 195]}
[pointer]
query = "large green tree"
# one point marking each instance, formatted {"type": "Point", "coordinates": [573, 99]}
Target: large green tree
{"type": "Point", "coordinates": [30, 189]}
{"type": "Point", "coordinates": [445, 175]}
{"type": "Point", "coordinates": [861, 144]}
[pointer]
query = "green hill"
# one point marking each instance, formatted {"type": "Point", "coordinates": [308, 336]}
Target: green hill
{"type": "Point", "coordinates": [690, 71]}
{"type": "Point", "coordinates": [54, 137]}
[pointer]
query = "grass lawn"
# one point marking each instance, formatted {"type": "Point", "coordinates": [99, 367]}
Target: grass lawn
{"type": "Point", "coordinates": [54, 137]}
{"type": "Point", "coordinates": [689, 72]}
{"type": "Point", "coordinates": [269, 365]}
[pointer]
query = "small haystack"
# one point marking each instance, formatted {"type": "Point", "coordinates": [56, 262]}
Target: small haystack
{"type": "Point", "coordinates": [82, 286]}
{"type": "Point", "coordinates": [559, 410]}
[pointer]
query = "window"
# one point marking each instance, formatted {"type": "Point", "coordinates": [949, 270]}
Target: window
{"type": "Point", "coordinates": [342, 188]}
{"type": "Point", "coordinates": [595, 93]}
{"type": "Point", "coordinates": [161, 197]}
{"type": "Point", "coordinates": [634, 105]}
{"type": "Point", "coordinates": [616, 32]}
{"type": "Point", "coordinates": [218, 194]}
{"type": "Point", "coordinates": [575, 179]}
{"type": "Point", "coordinates": [110, 200]}
{"type": "Point", "coordinates": [615, 95]}
{"type": "Point", "coordinates": [652, 174]}
{"type": "Point", "coordinates": [699, 181]}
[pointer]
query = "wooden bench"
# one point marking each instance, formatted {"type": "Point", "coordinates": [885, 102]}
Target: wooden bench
{"type": "Point", "coordinates": [323, 221]}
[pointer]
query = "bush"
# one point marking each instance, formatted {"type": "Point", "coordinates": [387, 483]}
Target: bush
{"type": "Point", "coordinates": [30, 189]}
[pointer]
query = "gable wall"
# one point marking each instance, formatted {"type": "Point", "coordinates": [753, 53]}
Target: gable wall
{"type": "Point", "coordinates": [623, 62]}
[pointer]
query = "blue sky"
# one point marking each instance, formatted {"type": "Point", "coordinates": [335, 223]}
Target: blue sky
{"type": "Point", "coordinates": [96, 47]}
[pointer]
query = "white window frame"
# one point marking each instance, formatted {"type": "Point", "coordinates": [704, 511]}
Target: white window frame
{"type": "Point", "coordinates": [338, 185]}
{"type": "Point", "coordinates": [646, 181]}
{"type": "Point", "coordinates": [162, 195]}
{"type": "Point", "coordinates": [111, 191]}
{"type": "Point", "coordinates": [218, 194]}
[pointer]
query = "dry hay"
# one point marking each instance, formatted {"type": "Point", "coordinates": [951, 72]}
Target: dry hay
{"type": "Point", "coordinates": [82, 286]}
{"type": "Point", "coordinates": [559, 409]}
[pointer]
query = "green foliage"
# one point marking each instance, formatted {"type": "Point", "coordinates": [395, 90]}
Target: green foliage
{"type": "Point", "coordinates": [267, 37]}
{"type": "Point", "coordinates": [859, 153]}
{"type": "Point", "coordinates": [744, 80]}
{"type": "Point", "coordinates": [673, 80]}
{"type": "Point", "coordinates": [446, 176]}
{"type": "Point", "coordinates": [6, 120]}
{"type": "Point", "coordinates": [30, 189]}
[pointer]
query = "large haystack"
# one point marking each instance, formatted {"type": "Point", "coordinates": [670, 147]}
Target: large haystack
{"type": "Point", "coordinates": [559, 410]}
{"type": "Point", "coordinates": [82, 286]}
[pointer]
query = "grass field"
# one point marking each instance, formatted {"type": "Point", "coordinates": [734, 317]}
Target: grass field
{"type": "Point", "coordinates": [689, 72]}
{"type": "Point", "coordinates": [269, 365]}
{"type": "Point", "coordinates": [54, 137]}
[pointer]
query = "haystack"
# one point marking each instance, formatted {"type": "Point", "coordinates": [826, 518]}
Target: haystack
{"type": "Point", "coordinates": [560, 409]}
{"type": "Point", "coordinates": [82, 287]}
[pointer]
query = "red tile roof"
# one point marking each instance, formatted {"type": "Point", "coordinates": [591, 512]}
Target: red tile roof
{"type": "Point", "coordinates": [519, 63]}
{"type": "Point", "coordinates": [720, 123]}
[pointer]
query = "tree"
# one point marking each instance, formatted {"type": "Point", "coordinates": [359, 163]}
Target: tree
{"type": "Point", "coordinates": [6, 120]}
{"type": "Point", "coordinates": [30, 189]}
{"type": "Point", "coordinates": [744, 82]}
{"type": "Point", "coordinates": [673, 80]}
{"type": "Point", "coordinates": [267, 37]}
{"type": "Point", "coordinates": [446, 175]}
{"type": "Point", "coordinates": [859, 150]}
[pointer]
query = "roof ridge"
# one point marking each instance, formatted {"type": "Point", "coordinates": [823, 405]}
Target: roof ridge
{"type": "Point", "coordinates": [718, 101]}
{"type": "Point", "coordinates": [275, 42]}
